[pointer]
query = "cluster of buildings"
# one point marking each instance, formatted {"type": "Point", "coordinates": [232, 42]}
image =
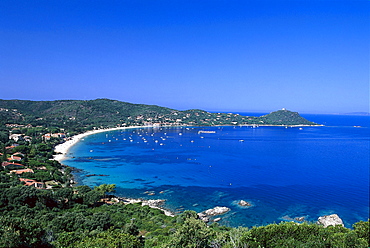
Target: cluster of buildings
{"type": "Point", "coordinates": [18, 169]}
{"type": "Point", "coordinates": [48, 136]}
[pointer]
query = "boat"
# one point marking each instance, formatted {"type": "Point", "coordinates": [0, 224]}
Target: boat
{"type": "Point", "coordinates": [202, 131]}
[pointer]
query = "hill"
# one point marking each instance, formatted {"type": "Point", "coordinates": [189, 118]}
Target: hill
{"type": "Point", "coordinates": [285, 117]}
{"type": "Point", "coordinates": [110, 113]}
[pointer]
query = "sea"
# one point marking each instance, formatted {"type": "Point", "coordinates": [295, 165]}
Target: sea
{"type": "Point", "coordinates": [285, 173]}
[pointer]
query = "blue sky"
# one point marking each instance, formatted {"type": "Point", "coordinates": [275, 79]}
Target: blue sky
{"type": "Point", "coordinates": [306, 56]}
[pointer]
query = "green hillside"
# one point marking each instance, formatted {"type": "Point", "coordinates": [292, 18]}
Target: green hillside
{"type": "Point", "coordinates": [285, 117]}
{"type": "Point", "coordinates": [111, 113]}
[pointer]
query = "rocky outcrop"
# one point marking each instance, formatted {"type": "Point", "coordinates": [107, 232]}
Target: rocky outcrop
{"type": "Point", "coordinates": [151, 203]}
{"type": "Point", "coordinates": [205, 216]}
{"type": "Point", "coordinates": [217, 211]}
{"type": "Point", "coordinates": [244, 203]}
{"type": "Point", "coordinates": [330, 220]}
{"type": "Point", "coordinates": [299, 218]}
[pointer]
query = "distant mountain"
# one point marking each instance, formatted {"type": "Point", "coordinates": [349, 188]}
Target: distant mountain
{"type": "Point", "coordinates": [358, 113]}
{"type": "Point", "coordinates": [110, 113]}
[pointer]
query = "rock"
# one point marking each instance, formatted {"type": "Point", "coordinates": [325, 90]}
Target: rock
{"type": "Point", "coordinates": [217, 211]}
{"type": "Point", "coordinates": [153, 203]}
{"type": "Point", "coordinates": [244, 203]}
{"type": "Point", "coordinates": [217, 219]}
{"type": "Point", "coordinates": [156, 204]}
{"type": "Point", "coordinates": [203, 217]}
{"type": "Point", "coordinates": [299, 219]}
{"type": "Point", "coordinates": [330, 220]}
{"type": "Point", "coordinates": [286, 218]}
{"type": "Point", "coordinates": [97, 175]}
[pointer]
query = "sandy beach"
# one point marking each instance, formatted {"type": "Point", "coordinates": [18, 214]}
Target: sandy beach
{"type": "Point", "coordinates": [61, 150]}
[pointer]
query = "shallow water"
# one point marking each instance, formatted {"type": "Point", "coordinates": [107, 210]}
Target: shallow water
{"type": "Point", "coordinates": [284, 172]}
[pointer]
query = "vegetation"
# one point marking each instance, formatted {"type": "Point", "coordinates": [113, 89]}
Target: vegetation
{"type": "Point", "coordinates": [66, 218]}
{"type": "Point", "coordinates": [80, 115]}
{"type": "Point", "coordinates": [39, 208]}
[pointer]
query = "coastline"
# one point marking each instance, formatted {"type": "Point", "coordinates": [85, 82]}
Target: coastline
{"type": "Point", "coordinates": [62, 149]}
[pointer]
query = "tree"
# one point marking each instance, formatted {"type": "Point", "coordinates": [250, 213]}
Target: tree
{"type": "Point", "coordinates": [193, 233]}
{"type": "Point", "coordinates": [92, 197]}
{"type": "Point", "coordinates": [109, 239]}
{"type": "Point", "coordinates": [4, 136]}
{"type": "Point", "coordinates": [22, 149]}
{"type": "Point", "coordinates": [105, 188]}
{"type": "Point", "coordinates": [362, 230]}
{"type": "Point", "coordinates": [21, 232]}
{"type": "Point", "coordinates": [64, 196]}
{"type": "Point", "coordinates": [3, 151]}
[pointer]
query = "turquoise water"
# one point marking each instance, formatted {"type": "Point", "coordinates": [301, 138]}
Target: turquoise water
{"type": "Point", "coordinates": [284, 172]}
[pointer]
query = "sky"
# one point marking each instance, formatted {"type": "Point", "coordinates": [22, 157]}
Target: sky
{"type": "Point", "coordinates": [310, 56]}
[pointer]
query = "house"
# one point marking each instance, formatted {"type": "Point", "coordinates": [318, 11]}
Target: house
{"type": "Point", "coordinates": [58, 135]}
{"type": "Point", "coordinates": [18, 153]}
{"type": "Point", "coordinates": [11, 147]}
{"type": "Point", "coordinates": [30, 182]}
{"type": "Point", "coordinates": [48, 136]}
{"type": "Point", "coordinates": [16, 158]}
{"type": "Point", "coordinates": [6, 164]}
{"type": "Point", "coordinates": [16, 137]}
{"type": "Point", "coordinates": [19, 172]}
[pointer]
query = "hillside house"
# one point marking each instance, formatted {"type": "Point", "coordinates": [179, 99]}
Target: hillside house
{"type": "Point", "coordinates": [14, 158]}
{"type": "Point", "coordinates": [20, 172]}
{"type": "Point", "coordinates": [12, 165]}
{"type": "Point", "coordinates": [30, 182]}
{"type": "Point", "coordinates": [16, 137]}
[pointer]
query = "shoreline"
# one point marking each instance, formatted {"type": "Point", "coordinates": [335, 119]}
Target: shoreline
{"type": "Point", "coordinates": [62, 149]}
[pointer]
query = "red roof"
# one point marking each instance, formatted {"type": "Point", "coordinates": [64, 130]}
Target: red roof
{"type": "Point", "coordinates": [5, 164]}
{"type": "Point", "coordinates": [30, 182]}
{"type": "Point", "coordinates": [14, 158]}
{"type": "Point", "coordinates": [18, 172]}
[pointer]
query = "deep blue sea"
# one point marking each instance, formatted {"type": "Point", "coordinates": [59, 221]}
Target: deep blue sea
{"type": "Point", "coordinates": [283, 172]}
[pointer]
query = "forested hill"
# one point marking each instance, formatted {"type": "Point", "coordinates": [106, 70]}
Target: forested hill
{"type": "Point", "coordinates": [111, 113]}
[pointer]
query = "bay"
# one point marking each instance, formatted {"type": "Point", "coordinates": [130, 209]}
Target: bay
{"type": "Point", "coordinates": [283, 172]}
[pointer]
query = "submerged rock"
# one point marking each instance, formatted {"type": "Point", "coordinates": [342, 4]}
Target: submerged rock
{"type": "Point", "coordinates": [330, 220]}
